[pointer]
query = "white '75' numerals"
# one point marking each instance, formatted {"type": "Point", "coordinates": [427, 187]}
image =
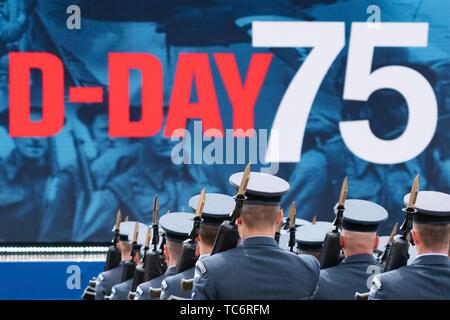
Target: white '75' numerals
{"type": "Point", "coordinates": [327, 39]}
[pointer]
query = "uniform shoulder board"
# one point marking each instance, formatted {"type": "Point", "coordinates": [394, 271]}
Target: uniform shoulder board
{"type": "Point", "coordinates": [376, 282]}
{"type": "Point", "coordinates": [199, 269]}
{"type": "Point", "coordinates": [139, 290]}
{"type": "Point", "coordinates": [164, 285]}
{"type": "Point", "coordinates": [376, 285]}
{"type": "Point", "coordinates": [100, 277]}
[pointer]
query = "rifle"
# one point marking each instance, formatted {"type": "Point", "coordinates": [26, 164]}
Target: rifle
{"type": "Point", "coordinates": [331, 249]}
{"type": "Point", "coordinates": [113, 255]}
{"type": "Point", "coordinates": [113, 258]}
{"type": "Point", "coordinates": [187, 257]}
{"type": "Point", "coordinates": [130, 266]}
{"type": "Point", "coordinates": [398, 254]}
{"type": "Point", "coordinates": [227, 236]}
{"type": "Point", "coordinates": [292, 228]}
{"type": "Point", "coordinates": [154, 264]}
{"type": "Point", "coordinates": [139, 274]}
{"type": "Point", "coordinates": [385, 254]}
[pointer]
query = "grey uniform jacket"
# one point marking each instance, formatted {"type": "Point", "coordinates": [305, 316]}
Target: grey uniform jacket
{"type": "Point", "coordinates": [171, 286]}
{"type": "Point", "coordinates": [256, 270]}
{"type": "Point", "coordinates": [107, 280]}
{"type": "Point", "coordinates": [120, 291]}
{"type": "Point", "coordinates": [142, 291]}
{"type": "Point", "coordinates": [426, 278]}
{"type": "Point", "coordinates": [353, 274]}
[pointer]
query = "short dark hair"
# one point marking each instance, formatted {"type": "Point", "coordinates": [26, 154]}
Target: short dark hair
{"type": "Point", "coordinates": [208, 233]}
{"type": "Point", "coordinates": [174, 248]}
{"type": "Point", "coordinates": [259, 216]}
{"type": "Point", "coordinates": [434, 236]}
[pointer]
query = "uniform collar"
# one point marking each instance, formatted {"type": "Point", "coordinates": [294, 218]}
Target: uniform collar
{"type": "Point", "coordinates": [431, 259]}
{"type": "Point", "coordinates": [259, 240]}
{"type": "Point", "coordinates": [171, 271]}
{"type": "Point", "coordinates": [364, 257]}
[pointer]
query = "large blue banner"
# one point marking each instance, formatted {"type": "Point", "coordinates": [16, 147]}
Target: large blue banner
{"type": "Point", "coordinates": [326, 75]}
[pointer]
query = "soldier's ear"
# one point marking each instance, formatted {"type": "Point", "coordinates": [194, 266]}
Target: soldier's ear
{"type": "Point", "coordinates": [239, 221]}
{"type": "Point", "coordinates": [341, 241]}
{"type": "Point", "coordinates": [415, 236]}
{"type": "Point", "coordinates": [279, 217]}
{"type": "Point", "coordinates": [197, 250]}
{"type": "Point", "coordinates": [376, 242]}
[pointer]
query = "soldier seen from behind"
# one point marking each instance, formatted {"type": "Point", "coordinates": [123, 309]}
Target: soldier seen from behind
{"type": "Point", "coordinates": [217, 208]}
{"type": "Point", "coordinates": [358, 240]}
{"type": "Point", "coordinates": [427, 277]}
{"type": "Point", "coordinates": [177, 226]}
{"type": "Point", "coordinates": [258, 262]}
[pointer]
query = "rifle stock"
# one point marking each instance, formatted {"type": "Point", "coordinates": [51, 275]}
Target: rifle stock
{"type": "Point", "coordinates": [330, 254]}
{"type": "Point", "coordinates": [227, 237]}
{"type": "Point", "coordinates": [398, 254]}
{"type": "Point", "coordinates": [154, 266]}
{"type": "Point", "coordinates": [138, 278]}
{"type": "Point", "coordinates": [113, 258]}
{"type": "Point", "coordinates": [187, 257]}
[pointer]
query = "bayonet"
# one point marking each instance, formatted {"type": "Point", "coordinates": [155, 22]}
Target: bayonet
{"type": "Point", "coordinates": [135, 233]}
{"type": "Point", "coordinates": [155, 239]}
{"type": "Point", "coordinates": [187, 257]}
{"type": "Point", "coordinates": [393, 233]}
{"type": "Point", "coordinates": [385, 253]}
{"type": "Point", "coordinates": [147, 242]}
{"type": "Point", "coordinates": [292, 228]}
{"type": "Point", "coordinates": [200, 204]}
{"type": "Point", "coordinates": [343, 194]}
{"type": "Point", "coordinates": [118, 218]}
{"type": "Point", "coordinates": [244, 181]}
{"type": "Point", "coordinates": [413, 194]}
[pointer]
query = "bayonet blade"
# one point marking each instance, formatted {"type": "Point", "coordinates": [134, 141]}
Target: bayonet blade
{"type": "Point", "coordinates": [343, 194]}
{"type": "Point", "coordinates": [393, 233]}
{"type": "Point", "coordinates": [292, 212]}
{"type": "Point", "coordinates": [155, 209]}
{"type": "Point", "coordinates": [244, 181]}
{"type": "Point", "coordinates": [118, 218]}
{"type": "Point", "coordinates": [147, 238]}
{"type": "Point", "coordinates": [413, 193]}
{"type": "Point", "coordinates": [200, 204]}
{"type": "Point", "coordinates": [136, 231]}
